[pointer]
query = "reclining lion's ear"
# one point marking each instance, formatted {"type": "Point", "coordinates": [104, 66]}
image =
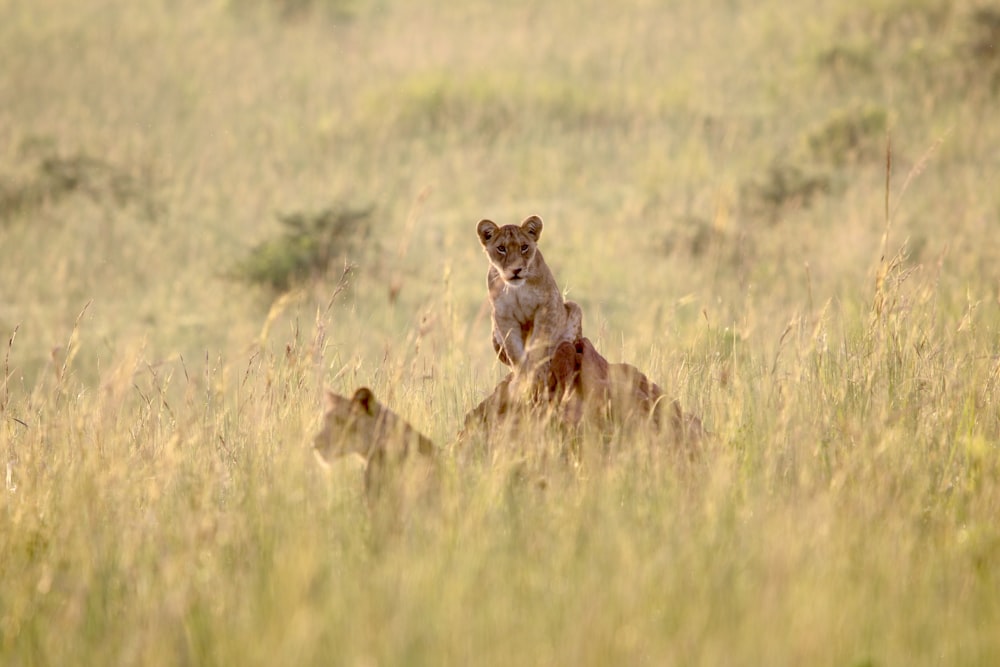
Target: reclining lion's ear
{"type": "Point", "coordinates": [364, 400]}
{"type": "Point", "coordinates": [532, 226]}
{"type": "Point", "coordinates": [486, 229]}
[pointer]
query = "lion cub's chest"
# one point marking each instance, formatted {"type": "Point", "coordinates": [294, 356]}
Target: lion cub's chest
{"type": "Point", "coordinates": [519, 304]}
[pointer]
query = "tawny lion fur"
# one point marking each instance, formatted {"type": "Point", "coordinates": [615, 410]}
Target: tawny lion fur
{"type": "Point", "coordinates": [530, 316]}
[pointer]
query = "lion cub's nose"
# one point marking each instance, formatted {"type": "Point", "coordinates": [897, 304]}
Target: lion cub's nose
{"type": "Point", "coordinates": [516, 273]}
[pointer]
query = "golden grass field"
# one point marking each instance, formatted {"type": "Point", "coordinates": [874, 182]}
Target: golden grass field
{"type": "Point", "coordinates": [784, 213]}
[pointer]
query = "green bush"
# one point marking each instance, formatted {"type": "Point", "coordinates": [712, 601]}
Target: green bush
{"type": "Point", "coordinates": [307, 245]}
{"type": "Point", "coordinates": [783, 186]}
{"type": "Point", "coordinates": [298, 9]}
{"type": "Point", "coordinates": [55, 177]}
{"type": "Point", "coordinates": [850, 135]}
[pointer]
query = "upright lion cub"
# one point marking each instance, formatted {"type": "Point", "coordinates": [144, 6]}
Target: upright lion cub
{"type": "Point", "coordinates": [530, 317]}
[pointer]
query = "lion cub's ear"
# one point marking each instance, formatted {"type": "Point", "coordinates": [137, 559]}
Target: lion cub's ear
{"type": "Point", "coordinates": [331, 400]}
{"type": "Point", "coordinates": [364, 401]}
{"type": "Point", "coordinates": [486, 229]}
{"type": "Point", "coordinates": [532, 226]}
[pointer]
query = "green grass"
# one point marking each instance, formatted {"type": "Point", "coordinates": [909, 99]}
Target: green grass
{"type": "Point", "coordinates": [714, 188]}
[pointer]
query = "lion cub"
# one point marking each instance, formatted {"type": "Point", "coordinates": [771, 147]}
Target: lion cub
{"type": "Point", "coordinates": [530, 317]}
{"type": "Point", "coordinates": [399, 460]}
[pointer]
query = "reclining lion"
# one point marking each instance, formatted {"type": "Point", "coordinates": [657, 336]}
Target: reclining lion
{"type": "Point", "coordinates": [396, 454]}
{"type": "Point", "coordinates": [584, 389]}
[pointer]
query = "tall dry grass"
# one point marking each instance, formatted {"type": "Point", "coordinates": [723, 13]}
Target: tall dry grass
{"type": "Point", "coordinates": [717, 198]}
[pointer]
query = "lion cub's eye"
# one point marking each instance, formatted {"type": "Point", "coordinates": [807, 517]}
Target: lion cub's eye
{"type": "Point", "coordinates": [502, 249]}
{"type": "Point", "coordinates": [524, 248]}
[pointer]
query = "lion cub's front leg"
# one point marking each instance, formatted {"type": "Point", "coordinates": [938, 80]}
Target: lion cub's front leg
{"type": "Point", "coordinates": [509, 340]}
{"type": "Point", "coordinates": [574, 323]}
{"type": "Point", "coordinates": [554, 322]}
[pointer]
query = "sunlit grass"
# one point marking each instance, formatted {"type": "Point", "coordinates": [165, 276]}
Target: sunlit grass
{"type": "Point", "coordinates": [159, 501]}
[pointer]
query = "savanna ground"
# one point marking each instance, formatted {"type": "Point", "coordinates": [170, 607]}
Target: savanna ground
{"type": "Point", "coordinates": [717, 197]}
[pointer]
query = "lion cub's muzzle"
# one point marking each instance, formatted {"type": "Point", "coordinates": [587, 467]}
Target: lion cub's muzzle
{"type": "Point", "coordinates": [515, 277]}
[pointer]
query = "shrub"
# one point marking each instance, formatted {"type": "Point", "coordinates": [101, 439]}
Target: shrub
{"type": "Point", "coordinates": [305, 248]}
{"type": "Point", "coordinates": [55, 177]}
{"type": "Point", "coordinates": [850, 135]}
{"type": "Point", "coordinates": [782, 187]}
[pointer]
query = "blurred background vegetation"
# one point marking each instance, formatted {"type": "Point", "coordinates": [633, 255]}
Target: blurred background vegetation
{"type": "Point", "coordinates": [786, 213]}
{"type": "Point", "coordinates": [729, 157]}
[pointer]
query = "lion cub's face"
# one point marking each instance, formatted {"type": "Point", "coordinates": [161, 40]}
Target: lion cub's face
{"type": "Point", "coordinates": [511, 249]}
{"type": "Point", "coordinates": [360, 425]}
